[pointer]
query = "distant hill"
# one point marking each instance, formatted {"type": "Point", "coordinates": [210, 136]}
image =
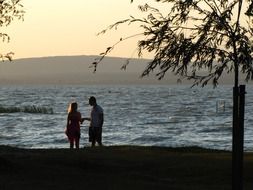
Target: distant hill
{"type": "Point", "coordinates": [75, 70]}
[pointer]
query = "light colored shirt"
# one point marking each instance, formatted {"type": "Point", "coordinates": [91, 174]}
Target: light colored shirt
{"type": "Point", "coordinates": [96, 116]}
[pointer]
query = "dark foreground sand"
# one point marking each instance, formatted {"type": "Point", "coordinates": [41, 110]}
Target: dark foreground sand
{"type": "Point", "coordinates": [119, 168]}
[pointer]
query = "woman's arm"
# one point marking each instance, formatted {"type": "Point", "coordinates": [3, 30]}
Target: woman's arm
{"type": "Point", "coordinates": [86, 118]}
{"type": "Point", "coordinates": [68, 120]}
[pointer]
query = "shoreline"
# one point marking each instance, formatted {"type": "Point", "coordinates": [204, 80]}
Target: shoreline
{"type": "Point", "coordinates": [119, 167]}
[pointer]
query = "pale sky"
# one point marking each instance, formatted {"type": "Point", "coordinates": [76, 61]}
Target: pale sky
{"type": "Point", "coordinates": [64, 27]}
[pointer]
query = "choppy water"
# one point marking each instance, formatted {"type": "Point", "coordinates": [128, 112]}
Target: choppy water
{"type": "Point", "coordinates": [134, 115]}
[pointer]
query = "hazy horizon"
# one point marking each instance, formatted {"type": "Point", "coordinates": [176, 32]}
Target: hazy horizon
{"type": "Point", "coordinates": [73, 70]}
{"type": "Point", "coordinates": [76, 70]}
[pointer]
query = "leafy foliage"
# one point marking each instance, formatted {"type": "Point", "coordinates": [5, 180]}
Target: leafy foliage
{"type": "Point", "coordinates": [9, 10]}
{"type": "Point", "coordinates": [197, 39]}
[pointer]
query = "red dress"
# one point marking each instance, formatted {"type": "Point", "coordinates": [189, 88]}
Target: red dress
{"type": "Point", "coordinates": [73, 126]}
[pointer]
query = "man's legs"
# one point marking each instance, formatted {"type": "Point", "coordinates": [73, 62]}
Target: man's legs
{"type": "Point", "coordinates": [99, 136]}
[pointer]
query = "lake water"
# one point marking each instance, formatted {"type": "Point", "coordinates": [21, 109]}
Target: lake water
{"type": "Point", "coordinates": [146, 115]}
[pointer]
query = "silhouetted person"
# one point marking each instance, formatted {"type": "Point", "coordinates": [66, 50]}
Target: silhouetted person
{"type": "Point", "coordinates": [96, 122]}
{"type": "Point", "coordinates": [73, 125]}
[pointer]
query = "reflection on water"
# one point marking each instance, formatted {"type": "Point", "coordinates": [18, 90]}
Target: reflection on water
{"type": "Point", "coordinates": [136, 115]}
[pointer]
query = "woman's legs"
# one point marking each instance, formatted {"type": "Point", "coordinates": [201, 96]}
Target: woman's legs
{"type": "Point", "coordinates": [71, 143]}
{"type": "Point", "coordinates": [77, 142]}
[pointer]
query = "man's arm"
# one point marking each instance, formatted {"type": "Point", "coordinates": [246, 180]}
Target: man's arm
{"type": "Point", "coordinates": [101, 119]}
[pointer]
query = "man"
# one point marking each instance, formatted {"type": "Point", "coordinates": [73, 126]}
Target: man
{"type": "Point", "coordinates": [96, 122]}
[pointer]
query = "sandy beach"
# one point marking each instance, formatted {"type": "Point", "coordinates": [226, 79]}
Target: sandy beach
{"type": "Point", "coordinates": [118, 167]}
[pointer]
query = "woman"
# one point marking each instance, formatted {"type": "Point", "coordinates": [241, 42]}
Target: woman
{"type": "Point", "coordinates": [73, 125]}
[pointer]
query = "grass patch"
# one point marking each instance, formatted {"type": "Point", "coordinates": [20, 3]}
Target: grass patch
{"type": "Point", "coordinates": [120, 167]}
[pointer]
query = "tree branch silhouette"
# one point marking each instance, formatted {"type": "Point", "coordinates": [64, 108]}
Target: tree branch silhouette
{"type": "Point", "coordinates": [210, 43]}
{"type": "Point", "coordinates": [9, 11]}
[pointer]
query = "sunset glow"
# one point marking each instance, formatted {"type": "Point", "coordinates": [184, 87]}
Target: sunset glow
{"type": "Point", "coordinates": [63, 27]}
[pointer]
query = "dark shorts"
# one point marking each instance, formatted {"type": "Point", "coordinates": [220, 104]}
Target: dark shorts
{"type": "Point", "coordinates": [95, 134]}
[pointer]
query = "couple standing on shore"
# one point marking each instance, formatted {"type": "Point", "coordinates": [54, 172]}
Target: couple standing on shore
{"type": "Point", "coordinates": [75, 119]}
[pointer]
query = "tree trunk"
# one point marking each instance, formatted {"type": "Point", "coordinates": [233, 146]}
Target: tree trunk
{"type": "Point", "coordinates": [238, 125]}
